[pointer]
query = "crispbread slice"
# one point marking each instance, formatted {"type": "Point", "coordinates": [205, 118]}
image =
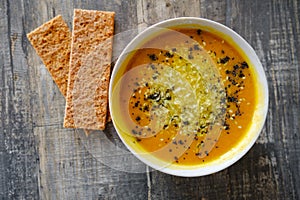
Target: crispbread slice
{"type": "Point", "coordinates": [52, 42]}
{"type": "Point", "coordinates": [91, 52]}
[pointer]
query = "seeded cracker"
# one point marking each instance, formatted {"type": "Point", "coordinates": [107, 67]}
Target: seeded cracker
{"type": "Point", "coordinates": [91, 52]}
{"type": "Point", "coordinates": [52, 42]}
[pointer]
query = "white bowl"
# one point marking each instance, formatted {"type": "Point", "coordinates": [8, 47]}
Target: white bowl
{"type": "Point", "coordinates": [259, 114]}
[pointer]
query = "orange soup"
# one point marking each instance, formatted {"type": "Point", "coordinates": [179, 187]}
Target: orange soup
{"type": "Point", "coordinates": [188, 96]}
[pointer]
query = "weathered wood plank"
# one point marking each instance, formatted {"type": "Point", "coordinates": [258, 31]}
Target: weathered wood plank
{"type": "Point", "coordinates": [19, 158]}
{"type": "Point", "coordinates": [273, 30]}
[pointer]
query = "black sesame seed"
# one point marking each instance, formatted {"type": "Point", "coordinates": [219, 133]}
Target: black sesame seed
{"type": "Point", "coordinates": [152, 66]}
{"type": "Point", "coordinates": [169, 55]}
{"type": "Point", "coordinates": [236, 67]}
{"type": "Point", "coordinates": [234, 73]}
{"type": "Point", "coordinates": [146, 108]}
{"type": "Point", "coordinates": [155, 96]}
{"type": "Point", "coordinates": [186, 123]}
{"type": "Point", "coordinates": [234, 82]}
{"type": "Point", "coordinates": [196, 47]}
{"type": "Point", "coordinates": [224, 60]}
{"type": "Point", "coordinates": [241, 75]}
{"type": "Point", "coordinates": [153, 57]}
{"type": "Point", "coordinates": [191, 56]}
{"type": "Point", "coordinates": [232, 99]}
{"type": "Point", "coordinates": [244, 65]}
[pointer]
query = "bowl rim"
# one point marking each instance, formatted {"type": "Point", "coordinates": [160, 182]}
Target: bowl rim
{"type": "Point", "coordinates": [255, 63]}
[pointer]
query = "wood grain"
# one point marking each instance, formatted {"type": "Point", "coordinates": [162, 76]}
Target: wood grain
{"type": "Point", "coordinates": [39, 159]}
{"type": "Point", "coordinates": [19, 159]}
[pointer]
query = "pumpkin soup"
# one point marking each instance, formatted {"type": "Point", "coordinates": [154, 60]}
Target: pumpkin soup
{"type": "Point", "coordinates": [187, 96]}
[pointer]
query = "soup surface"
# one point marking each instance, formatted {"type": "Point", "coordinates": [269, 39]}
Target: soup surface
{"type": "Point", "coordinates": [187, 96]}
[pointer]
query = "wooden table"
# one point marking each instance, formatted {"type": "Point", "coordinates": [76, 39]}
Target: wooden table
{"type": "Point", "coordinates": [39, 159]}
